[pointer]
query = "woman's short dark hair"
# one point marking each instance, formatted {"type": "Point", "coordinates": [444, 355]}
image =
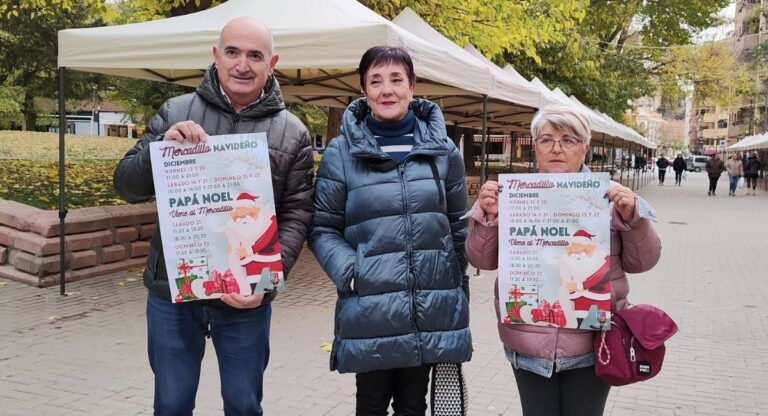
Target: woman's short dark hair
{"type": "Point", "coordinates": [383, 55]}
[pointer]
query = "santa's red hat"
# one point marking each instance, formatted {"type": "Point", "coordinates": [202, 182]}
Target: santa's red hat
{"type": "Point", "coordinates": [245, 200]}
{"type": "Point", "coordinates": [582, 237]}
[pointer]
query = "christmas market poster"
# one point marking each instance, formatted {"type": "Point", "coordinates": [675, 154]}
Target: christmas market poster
{"type": "Point", "coordinates": [554, 250]}
{"type": "Point", "coordinates": [216, 213]}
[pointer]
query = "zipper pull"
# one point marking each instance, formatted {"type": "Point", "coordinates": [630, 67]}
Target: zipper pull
{"type": "Point", "coordinates": [632, 354]}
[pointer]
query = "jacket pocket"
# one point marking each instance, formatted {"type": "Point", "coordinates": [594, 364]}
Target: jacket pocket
{"type": "Point", "coordinates": [452, 263]}
{"type": "Point", "coordinates": [354, 280]}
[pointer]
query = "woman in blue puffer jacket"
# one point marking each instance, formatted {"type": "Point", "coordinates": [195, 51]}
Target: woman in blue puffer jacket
{"type": "Point", "coordinates": [388, 231]}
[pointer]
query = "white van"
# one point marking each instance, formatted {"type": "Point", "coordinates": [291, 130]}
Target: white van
{"type": "Point", "coordinates": [696, 163]}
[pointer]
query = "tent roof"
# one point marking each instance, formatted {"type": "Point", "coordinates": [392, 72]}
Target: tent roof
{"type": "Point", "coordinates": [757, 141]}
{"type": "Point", "coordinates": [519, 98]}
{"type": "Point", "coordinates": [599, 122]}
{"type": "Point", "coordinates": [320, 43]}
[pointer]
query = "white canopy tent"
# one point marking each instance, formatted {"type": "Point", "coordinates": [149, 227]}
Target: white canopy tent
{"type": "Point", "coordinates": [600, 122]}
{"type": "Point", "coordinates": [757, 141]}
{"type": "Point", "coordinates": [320, 43]}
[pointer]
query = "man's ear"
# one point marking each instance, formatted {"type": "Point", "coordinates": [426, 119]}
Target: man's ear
{"type": "Point", "coordinates": [273, 62]}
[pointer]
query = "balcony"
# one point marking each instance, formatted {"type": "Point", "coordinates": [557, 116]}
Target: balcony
{"type": "Point", "coordinates": [712, 134]}
{"type": "Point", "coordinates": [738, 130]}
{"type": "Point", "coordinates": [711, 117]}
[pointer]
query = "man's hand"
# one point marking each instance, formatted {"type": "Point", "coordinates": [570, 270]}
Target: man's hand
{"type": "Point", "coordinates": [243, 302]}
{"type": "Point", "coordinates": [624, 199]}
{"type": "Point", "coordinates": [571, 285]}
{"type": "Point", "coordinates": [241, 252]}
{"type": "Point", "coordinates": [186, 130]}
{"type": "Point", "coordinates": [489, 199]}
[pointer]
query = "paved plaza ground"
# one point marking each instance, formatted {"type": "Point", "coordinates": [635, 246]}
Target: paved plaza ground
{"type": "Point", "coordinates": [85, 354]}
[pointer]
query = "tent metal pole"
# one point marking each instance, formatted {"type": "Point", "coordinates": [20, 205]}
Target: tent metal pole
{"type": "Point", "coordinates": [530, 155]}
{"type": "Point", "coordinates": [602, 159]}
{"type": "Point", "coordinates": [512, 148]}
{"type": "Point", "coordinates": [634, 169]}
{"type": "Point", "coordinates": [483, 162]}
{"type": "Point", "coordinates": [62, 196]}
{"type": "Point", "coordinates": [613, 158]}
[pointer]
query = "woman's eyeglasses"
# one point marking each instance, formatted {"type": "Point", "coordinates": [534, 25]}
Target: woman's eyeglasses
{"type": "Point", "coordinates": [566, 143]}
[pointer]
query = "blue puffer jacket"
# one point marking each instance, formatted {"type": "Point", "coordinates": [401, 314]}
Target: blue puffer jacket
{"type": "Point", "coordinates": [391, 239]}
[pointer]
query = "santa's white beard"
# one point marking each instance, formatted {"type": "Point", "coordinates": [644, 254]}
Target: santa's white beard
{"type": "Point", "coordinates": [246, 230]}
{"type": "Point", "coordinates": [583, 267]}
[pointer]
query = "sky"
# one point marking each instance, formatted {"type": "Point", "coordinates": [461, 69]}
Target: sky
{"type": "Point", "coordinates": [719, 32]}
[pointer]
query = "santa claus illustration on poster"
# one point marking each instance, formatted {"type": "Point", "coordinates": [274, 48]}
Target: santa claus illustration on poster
{"type": "Point", "coordinates": [252, 239]}
{"type": "Point", "coordinates": [583, 290]}
{"type": "Point", "coordinates": [585, 280]}
{"type": "Point", "coordinates": [252, 246]}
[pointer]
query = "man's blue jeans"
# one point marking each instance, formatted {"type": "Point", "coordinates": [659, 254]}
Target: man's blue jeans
{"type": "Point", "coordinates": [734, 181]}
{"type": "Point", "coordinates": [177, 335]}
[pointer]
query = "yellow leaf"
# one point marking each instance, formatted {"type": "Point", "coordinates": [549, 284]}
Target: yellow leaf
{"type": "Point", "coordinates": [3, 284]}
{"type": "Point", "coordinates": [131, 279]}
{"type": "Point", "coordinates": [121, 283]}
{"type": "Point", "coordinates": [54, 318]}
{"type": "Point", "coordinates": [326, 347]}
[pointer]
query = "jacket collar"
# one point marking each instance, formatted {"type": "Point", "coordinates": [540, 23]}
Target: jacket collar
{"type": "Point", "coordinates": [429, 136]}
{"type": "Point", "coordinates": [270, 102]}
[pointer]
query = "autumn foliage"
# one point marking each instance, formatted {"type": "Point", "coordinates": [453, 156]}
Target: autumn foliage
{"type": "Point", "coordinates": [29, 168]}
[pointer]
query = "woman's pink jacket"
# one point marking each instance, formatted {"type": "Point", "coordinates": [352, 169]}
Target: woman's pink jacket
{"type": "Point", "coordinates": [635, 248]}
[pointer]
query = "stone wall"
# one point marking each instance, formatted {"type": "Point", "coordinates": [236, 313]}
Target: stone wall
{"type": "Point", "coordinates": [99, 241]}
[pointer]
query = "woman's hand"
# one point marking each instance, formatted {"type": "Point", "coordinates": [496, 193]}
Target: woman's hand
{"type": "Point", "coordinates": [624, 200]}
{"type": "Point", "coordinates": [489, 199]}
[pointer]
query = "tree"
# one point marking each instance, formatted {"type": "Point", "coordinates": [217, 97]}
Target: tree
{"type": "Point", "coordinates": [10, 107]}
{"type": "Point", "coordinates": [709, 71]}
{"type": "Point", "coordinates": [28, 48]}
{"type": "Point", "coordinates": [612, 56]}
{"type": "Point", "coordinates": [494, 26]}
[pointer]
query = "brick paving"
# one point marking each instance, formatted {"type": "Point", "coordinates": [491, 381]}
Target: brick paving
{"type": "Point", "coordinates": [85, 354]}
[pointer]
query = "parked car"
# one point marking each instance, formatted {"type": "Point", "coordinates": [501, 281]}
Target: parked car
{"type": "Point", "coordinates": [696, 163]}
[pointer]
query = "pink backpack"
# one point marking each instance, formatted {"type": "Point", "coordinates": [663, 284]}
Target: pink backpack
{"type": "Point", "coordinates": [633, 349]}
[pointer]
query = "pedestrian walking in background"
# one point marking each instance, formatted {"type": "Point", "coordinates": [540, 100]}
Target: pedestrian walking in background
{"type": "Point", "coordinates": [679, 166]}
{"type": "Point", "coordinates": [714, 168]}
{"type": "Point", "coordinates": [752, 171]}
{"type": "Point", "coordinates": [389, 231]}
{"type": "Point", "coordinates": [639, 163]}
{"type": "Point", "coordinates": [735, 171]}
{"type": "Point", "coordinates": [662, 163]}
{"type": "Point", "coordinates": [554, 367]}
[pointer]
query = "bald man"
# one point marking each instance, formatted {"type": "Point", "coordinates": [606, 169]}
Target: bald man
{"type": "Point", "coordinates": [239, 94]}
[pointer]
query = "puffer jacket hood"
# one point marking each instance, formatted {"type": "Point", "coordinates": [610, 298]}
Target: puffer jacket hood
{"type": "Point", "coordinates": [430, 137]}
{"type": "Point", "coordinates": [391, 238]}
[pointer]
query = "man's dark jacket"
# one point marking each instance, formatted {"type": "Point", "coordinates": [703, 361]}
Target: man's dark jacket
{"type": "Point", "coordinates": [290, 156]}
